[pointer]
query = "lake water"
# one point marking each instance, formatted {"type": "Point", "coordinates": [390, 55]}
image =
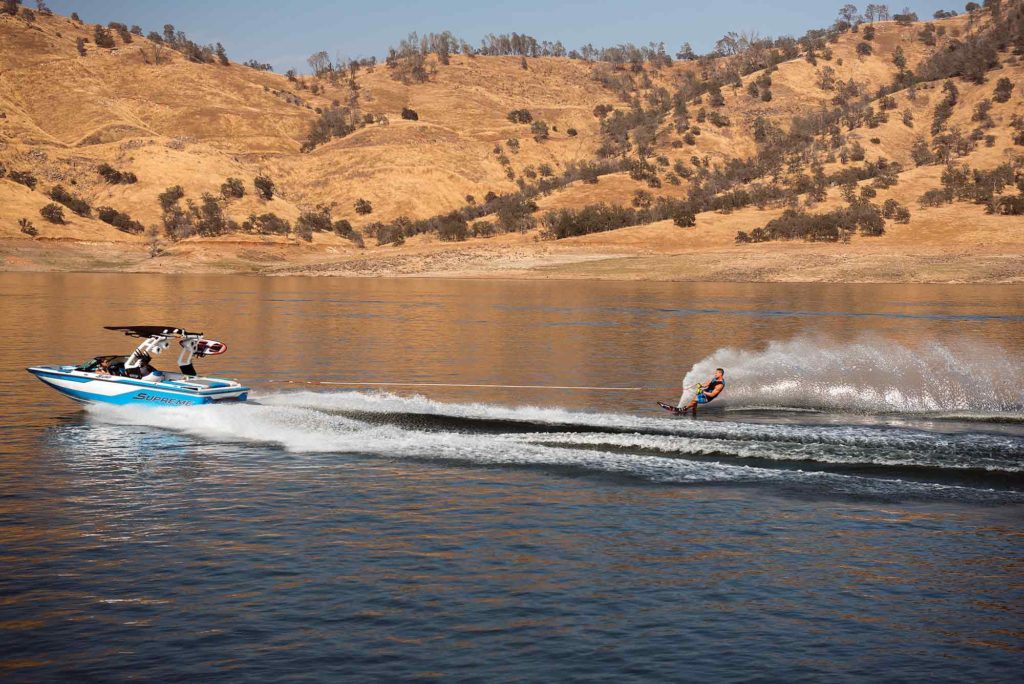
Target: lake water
{"type": "Point", "coordinates": [850, 508]}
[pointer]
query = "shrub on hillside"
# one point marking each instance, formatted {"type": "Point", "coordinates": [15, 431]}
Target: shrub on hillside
{"type": "Point", "coordinates": [927, 35]}
{"type": "Point", "coordinates": [119, 220]}
{"type": "Point", "coordinates": [721, 120]}
{"type": "Point", "coordinates": [935, 197]}
{"type": "Point", "coordinates": [232, 188]}
{"type": "Point", "coordinates": [408, 63]}
{"type": "Point", "coordinates": [363, 207]}
{"type": "Point", "coordinates": [208, 218]}
{"type": "Point", "coordinates": [177, 224]}
{"type": "Point", "coordinates": [266, 224]}
{"type": "Point", "coordinates": [857, 151]}
{"type": "Point", "coordinates": [482, 229]}
{"type": "Point", "coordinates": [453, 228]}
{"type": "Point", "coordinates": [335, 122]}
{"type": "Point", "coordinates": [115, 177]}
{"type": "Point", "coordinates": [80, 45]}
{"type": "Point", "coordinates": [864, 49]}
{"type": "Point", "coordinates": [1004, 87]}
{"type": "Point", "coordinates": [72, 202]}
{"type": "Point", "coordinates": [539, 129]}
{"type": "Point", "coordinates": [344, 229]}
{"type": "Point", "coordinates": [891, 209]}
{"type": "Point", "coordinates": [833, 226]}
{"type": "Point", "coordinates": [642, 199]}
{"type": "Point", "coordinates": [53, 212]}
{"type": "Point", "coordinates": [264, 187]}
{"type": "Point", "coordinates": [410, 114]}
{"type": "Point", "coordinates": [318, 221]}
{"type": "Point", "coordinates": [522, 116]}
{"type": "Point", "coordinates": [169, 197]}
{"type": "Point", "coordinates": [596, 218]}
{"type": "Point", "coordinates": [715, 97]}
{"type": "Point", "coordinates": [27, 228]}
{"type": "Point", "coordinates": [899, 58]}
{"type": "Point", "coordinates": [25, 178]}
{"type": "Point", "coordinates": [102, 37]}
{"type": "Point", "coordinates": [944, 109]}
{"type": "Point", "coordinates": [387, 234]}
{"type": "Point", "coordinates": [122, 31]}
{"type": "Point", "coordinates": [1009, 206]}
{"type": "Point", "coordinates": [920, 152]}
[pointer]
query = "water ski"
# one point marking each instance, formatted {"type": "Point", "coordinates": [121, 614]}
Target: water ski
{"type": "Point", "coordinates": [674, 410]}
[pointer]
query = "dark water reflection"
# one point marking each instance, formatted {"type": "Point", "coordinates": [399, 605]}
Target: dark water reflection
{"type": "Point", "coordinates": [305, 539]}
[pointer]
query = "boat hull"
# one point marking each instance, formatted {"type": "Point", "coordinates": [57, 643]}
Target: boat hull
{"type": "Point", "coordinates": [88, 388]}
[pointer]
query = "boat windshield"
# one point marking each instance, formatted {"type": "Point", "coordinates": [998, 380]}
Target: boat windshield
{"type": "Point", "coordinates": [93, 364]}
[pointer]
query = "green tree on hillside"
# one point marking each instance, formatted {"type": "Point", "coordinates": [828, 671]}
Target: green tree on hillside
{"type": "Point", "coordinates": [899, 59]}
{"type": "Point", "coordinates": [103, 38]}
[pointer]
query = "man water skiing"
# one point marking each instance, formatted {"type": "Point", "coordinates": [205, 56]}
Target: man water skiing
{"type": "Point", "coordinates": [707, 393]}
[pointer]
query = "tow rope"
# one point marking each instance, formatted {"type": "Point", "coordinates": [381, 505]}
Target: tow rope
{"type": "Point", "coordinates": [455, 384]}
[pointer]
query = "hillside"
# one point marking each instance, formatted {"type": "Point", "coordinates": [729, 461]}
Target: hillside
{"type": "Point", "coordinates": [798, 132]}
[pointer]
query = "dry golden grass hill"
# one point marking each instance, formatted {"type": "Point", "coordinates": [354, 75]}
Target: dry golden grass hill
{"type": "Point", "coordinates": [67, 107]}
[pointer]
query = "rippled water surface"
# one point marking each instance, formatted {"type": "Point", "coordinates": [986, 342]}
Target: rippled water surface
{"type": "Point", "coordinates": [850, 508]}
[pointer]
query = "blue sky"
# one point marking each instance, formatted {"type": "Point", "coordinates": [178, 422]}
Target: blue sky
{"type": "Point", "coordinates": [285, 33]}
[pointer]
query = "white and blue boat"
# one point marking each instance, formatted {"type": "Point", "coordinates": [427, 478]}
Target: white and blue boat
{"type": "Point", "coordinates": [131, 380]}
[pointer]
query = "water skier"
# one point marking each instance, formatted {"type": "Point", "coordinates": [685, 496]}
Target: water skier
{"type": "Point", "coordinates": [706, 393]}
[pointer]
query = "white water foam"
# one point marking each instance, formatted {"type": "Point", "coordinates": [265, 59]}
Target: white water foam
{"type": "Point", "coordinates": [306, 429]}
{"type": "Point", "coordinates": [870, 375]}
{"type": "Point", "coordinates": [872, 439]}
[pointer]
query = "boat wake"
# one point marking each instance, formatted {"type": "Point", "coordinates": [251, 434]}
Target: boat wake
{"type": "Point", "coordinates": [878, 462]}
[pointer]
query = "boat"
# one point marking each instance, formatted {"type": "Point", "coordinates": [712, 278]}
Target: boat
{"type": "Point", "coordinates": [131, 380]}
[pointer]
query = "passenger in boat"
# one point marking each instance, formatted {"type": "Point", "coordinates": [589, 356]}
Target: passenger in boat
{"type": "Point", "coordinates": [103, 368]}
{"type": "Point", "coordinates": [146, 369]}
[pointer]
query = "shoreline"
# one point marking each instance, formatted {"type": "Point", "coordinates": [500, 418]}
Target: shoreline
{"type": "Point", "coordinates": [522, 259]}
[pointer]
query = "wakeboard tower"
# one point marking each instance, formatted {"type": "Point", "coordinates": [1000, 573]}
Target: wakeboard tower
{"type": "Point", "coordinates": [126, 380]}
